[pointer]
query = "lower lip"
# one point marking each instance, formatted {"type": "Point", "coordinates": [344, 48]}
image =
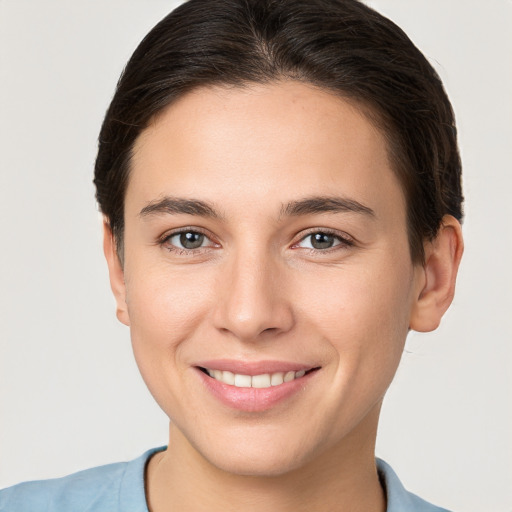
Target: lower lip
{"type": "Point", "coordinates": [254, 399]}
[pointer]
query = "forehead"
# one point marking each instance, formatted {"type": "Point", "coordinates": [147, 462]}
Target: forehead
{"type": "Point", "coordinates": [259, 144]}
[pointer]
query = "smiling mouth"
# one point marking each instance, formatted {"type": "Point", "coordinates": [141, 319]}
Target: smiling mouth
{"type": "Point", "coordinates": [264, 380]}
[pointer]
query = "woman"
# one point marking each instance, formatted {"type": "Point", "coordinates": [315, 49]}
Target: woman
{"type": "Point", "coordinates": [280, 183]}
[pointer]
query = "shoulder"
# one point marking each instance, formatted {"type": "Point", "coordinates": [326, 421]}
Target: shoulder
{"type": "Point", "coordinates": [399, 499]}
{"type": "Point", "coordinates": [73, 492]}
{"type": "Point", "coordinates": [99, 489]}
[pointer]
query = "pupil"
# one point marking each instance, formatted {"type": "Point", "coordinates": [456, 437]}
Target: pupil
{"type": "Point", "coordinates": [191, 240]}
{"type": "Point", "coordinates": [322, 241]}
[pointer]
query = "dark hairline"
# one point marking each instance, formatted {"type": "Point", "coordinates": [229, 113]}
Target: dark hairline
{"type": "Point", "coordinates": [379, 69]}
{"type": "Point", "coordinates": [370, 112]}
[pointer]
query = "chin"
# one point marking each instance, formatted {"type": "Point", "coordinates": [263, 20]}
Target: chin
{"type": "Point", "coordinates": [258, 465]}
{"type": "Point", "coordinates": [258, 452]}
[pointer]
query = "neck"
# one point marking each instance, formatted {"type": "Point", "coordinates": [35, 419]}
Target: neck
{"type": "Point", "coordinates": [342, 478]}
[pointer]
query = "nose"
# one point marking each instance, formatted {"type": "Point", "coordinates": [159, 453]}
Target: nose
{"type": "Point", "coordinates": [252, 299]}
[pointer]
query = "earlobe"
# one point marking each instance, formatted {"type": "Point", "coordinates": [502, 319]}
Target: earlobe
{"type": "Point", "coordinates": [439, 273]}
{"type": "Point", "coordinates": [116, 274]}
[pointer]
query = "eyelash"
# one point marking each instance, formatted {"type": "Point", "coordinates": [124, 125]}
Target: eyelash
{"type": "Point", "coordinates": [164, 241]}
{"type": "Point", "coordinates": [344, 241]}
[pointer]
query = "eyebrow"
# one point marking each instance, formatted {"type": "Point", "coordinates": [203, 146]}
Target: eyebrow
{"type": "Point", "coordinates": [325, 204]}
{"type": "Point", "coordinates": [176, 205]}
{"type": "Point", "coordinates": [308, 206]}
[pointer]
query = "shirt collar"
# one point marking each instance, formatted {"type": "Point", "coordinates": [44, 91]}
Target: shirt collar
{"type": "Point", "coordinates": [398, 498]}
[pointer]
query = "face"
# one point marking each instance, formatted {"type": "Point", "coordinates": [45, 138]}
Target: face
{"type": "Point", "coordinates": [268, 282]}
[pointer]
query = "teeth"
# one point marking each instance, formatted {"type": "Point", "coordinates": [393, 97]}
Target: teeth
{"type": "Point", "coordinates": [289, 376]}
{"type": "Point", "coordinates": [242, 381]}
{"type": "Point", "coordinates": [276, 379]}
{"type": "Point", "coordinates": [261, 381]}
{"type": "Point", "coordinates": [227, 377]}
{"type": "Point", "coordinates": [264, 380]}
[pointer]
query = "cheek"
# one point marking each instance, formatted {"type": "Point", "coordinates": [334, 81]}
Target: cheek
{"type": "Point", "coordinates": [166, 310]}
{"type": "Point", "coordinates": [164, 303]}
{"type": "Point", "coordinates": [364, 314]}
{"type": "Point", "coordinates": [166, 307]}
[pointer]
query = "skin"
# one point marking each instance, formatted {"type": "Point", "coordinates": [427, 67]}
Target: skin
{"type": "Point", "coordinates": [257, 290]}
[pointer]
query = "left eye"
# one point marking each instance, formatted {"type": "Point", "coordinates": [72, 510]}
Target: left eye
{"type": "Point", "coordinates": [188, 240]}
{"type": "Point", "coordinates": [320, 240]}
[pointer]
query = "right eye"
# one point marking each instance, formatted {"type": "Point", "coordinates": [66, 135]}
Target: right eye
{"type": "Point", "coordinates": [187, 240]}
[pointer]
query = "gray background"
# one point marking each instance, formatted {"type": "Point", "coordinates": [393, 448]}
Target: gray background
{"type": "Point", "coordinates": [70, 394]}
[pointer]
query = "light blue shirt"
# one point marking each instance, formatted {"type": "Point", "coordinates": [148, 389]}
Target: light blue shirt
{"type": "Point", "coordinates": [120, 488]}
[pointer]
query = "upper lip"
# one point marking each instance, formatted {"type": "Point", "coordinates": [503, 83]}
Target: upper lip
{"type": "Point", "coordinates": [254, 367]}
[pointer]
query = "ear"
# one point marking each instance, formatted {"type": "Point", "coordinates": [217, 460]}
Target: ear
{"type": "Point", "coordinates": [437, 280]}
{"type": "Point", "coordinates": [116, 274]}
